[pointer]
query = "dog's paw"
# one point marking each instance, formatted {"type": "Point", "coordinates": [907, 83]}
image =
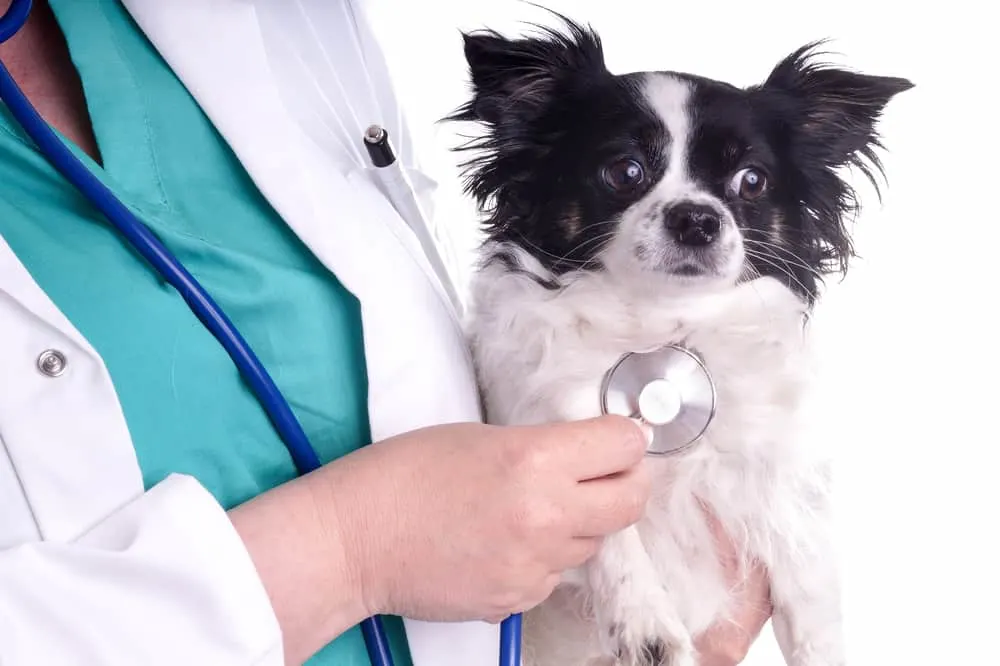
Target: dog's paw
{"type": "Point", "coordinates": [655, 652]}
{"type": "Point", "coordinates": [650, 638]}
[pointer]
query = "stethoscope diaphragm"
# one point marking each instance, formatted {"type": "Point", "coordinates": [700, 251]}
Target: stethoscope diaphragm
{"type": "Point", "coordinates": [669, 389]}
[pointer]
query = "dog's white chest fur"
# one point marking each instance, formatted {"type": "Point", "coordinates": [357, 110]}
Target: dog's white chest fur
{"type": "Point", "coordinates": [542, 356]}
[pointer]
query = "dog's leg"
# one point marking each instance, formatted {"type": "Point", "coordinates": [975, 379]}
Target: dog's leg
{"type": "Point", "coordinates": [638, 623]}
{"type": "Point", "coordinates": [805, 591]}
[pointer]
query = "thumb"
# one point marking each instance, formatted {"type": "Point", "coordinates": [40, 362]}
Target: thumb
{"type": "Point", "coordinates": [603, 446]}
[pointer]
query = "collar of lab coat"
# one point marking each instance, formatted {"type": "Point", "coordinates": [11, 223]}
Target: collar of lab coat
{"type": "Point", "coordinates": [261, 70]}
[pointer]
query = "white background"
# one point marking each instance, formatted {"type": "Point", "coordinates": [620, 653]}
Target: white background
{"type": "Point", "coordinates": [908, 340]}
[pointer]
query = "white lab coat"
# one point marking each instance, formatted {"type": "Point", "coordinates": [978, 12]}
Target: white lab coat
{"type": "Point", "coordinates": [93, 570]}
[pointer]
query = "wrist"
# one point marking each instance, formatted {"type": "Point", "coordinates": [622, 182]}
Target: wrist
{"type": "Point", "coordinates": [349, 504]}
{"type": "Point", "coordinates": [301, 564]}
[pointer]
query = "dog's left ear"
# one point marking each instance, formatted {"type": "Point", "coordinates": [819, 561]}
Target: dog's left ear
{"type": "Point", "coordinates": [833, 112]}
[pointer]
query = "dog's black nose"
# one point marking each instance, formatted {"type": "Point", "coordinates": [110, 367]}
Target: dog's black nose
{"type": "Point", "coordinates": [693, 224]}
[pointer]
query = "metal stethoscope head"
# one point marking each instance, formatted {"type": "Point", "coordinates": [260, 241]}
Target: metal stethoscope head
{"type": "Point", "coordinates": [669, 389]}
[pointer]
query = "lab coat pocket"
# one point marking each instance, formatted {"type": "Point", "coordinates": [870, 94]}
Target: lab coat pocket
{"type": "Point", "coordinates": [402, 189]}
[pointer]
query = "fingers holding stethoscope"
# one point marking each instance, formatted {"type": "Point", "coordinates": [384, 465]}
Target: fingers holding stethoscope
{"type": "Point", "coordinates": [595, 509]}
{"type": "Point", "coordinates": [490, 516]}
{"type": "Point", "coordinates": [612, 503]}
{"type": "Point", "coordinates": [542, 591]}
{"type": "Point", "coordinates": [575, 525]}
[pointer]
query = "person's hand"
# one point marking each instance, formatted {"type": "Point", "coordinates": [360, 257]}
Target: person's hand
{"type": "Point", "coordinates": [727, 643]}
{"type": "Point", "coordinates": [469, 521]}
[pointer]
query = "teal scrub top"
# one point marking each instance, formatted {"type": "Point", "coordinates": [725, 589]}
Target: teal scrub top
{"type": "Point", "coordinates": [186, 406]}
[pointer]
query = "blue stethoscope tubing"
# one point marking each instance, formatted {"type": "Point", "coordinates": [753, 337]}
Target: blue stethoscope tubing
{"type": "Point", "coordinates": [202, 305]}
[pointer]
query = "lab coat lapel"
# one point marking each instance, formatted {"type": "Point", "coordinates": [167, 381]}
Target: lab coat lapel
{"type": "Point", "coordinates": [325, 195]}
{"type": "Point", "coordinates": [284, 109]}
{"type": "Point", "coordinates": [419, 369]}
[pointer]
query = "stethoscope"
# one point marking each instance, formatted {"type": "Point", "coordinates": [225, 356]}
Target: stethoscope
{"type": "Point", "coordinates": [668, 388]}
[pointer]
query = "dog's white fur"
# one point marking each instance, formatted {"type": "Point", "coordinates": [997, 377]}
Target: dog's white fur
{"type": "Point", "coordinates": [541, 356]}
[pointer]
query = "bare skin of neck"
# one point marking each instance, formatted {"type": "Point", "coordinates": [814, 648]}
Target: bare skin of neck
{"type": "Point", "coordinates": [38, 59]}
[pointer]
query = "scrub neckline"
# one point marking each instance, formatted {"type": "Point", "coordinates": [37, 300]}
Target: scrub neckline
{"type": "Point", "coordinates": [121, 128]}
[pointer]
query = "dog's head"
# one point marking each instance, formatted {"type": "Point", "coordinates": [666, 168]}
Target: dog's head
{"type": "Point", "coordinates": [667, 178]}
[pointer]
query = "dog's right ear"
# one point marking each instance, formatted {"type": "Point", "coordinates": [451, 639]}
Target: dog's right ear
{"type": "Point", "coordinates": [515, 79]}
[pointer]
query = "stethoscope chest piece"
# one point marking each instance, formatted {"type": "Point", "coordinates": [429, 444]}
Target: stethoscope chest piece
{"type": "Point", "coordinates": [669, 389]}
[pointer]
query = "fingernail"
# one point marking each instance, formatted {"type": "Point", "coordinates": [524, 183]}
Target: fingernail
{"type": "Point", "coordinates": [647, 430]}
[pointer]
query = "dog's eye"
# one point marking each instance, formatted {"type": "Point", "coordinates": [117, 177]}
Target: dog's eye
{"type": "Point", "coordinates": [624, 176]}
{"type": "Point", "coordinates": [749, 183]}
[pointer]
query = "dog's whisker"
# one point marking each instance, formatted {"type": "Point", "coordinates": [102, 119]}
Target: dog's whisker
{"type": "Point", "coordinates": [530, 245]}
{"type": "Point", "coordinates": [749, 273]}
{"type": "Point", "coordinates": [567, 258]}
{"type": "Point", "coordinates": [776, 247]}
{"type": "Point", "coordinates": [783, 270]}
{"type": "Point", "coordinates": [786, 256]}
{"type": "Point", "coordinates": [600, 240]}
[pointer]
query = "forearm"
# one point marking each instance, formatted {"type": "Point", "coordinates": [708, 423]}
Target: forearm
{"type": "Point", "coordinates": [304, 554]}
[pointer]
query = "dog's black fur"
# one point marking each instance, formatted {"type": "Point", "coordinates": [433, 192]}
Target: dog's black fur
{"type": "Point", "coordinates": [559, 125]}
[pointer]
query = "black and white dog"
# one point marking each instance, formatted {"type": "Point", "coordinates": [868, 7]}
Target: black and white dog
{"type": "Point", "coordinates": [629, 212]}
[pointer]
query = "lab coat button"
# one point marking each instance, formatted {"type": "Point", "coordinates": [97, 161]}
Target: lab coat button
{"type": "Point", "coordinates": [52, 362]}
